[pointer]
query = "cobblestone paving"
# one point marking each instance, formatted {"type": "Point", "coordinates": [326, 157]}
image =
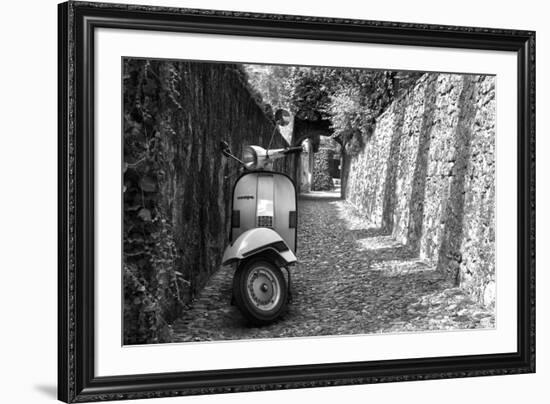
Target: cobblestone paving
{"type": "Point", "coordinates": [350, 280]}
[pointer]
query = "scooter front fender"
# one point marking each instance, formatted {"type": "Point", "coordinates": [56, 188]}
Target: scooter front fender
{"type": "Point", "coordinates": [256, 241]}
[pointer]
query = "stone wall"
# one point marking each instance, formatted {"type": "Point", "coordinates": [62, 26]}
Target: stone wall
{"type": "Point", "coordinates": [426, 176]}
{"type": "Point", "coordinates": [176, 114]}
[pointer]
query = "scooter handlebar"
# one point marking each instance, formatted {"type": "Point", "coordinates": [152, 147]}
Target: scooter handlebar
{"type": "Point", "coordinates": [293, 149]}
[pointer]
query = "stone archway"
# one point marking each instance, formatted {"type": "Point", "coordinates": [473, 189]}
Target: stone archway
{"type": "Point", "coordinates": [310, 129]}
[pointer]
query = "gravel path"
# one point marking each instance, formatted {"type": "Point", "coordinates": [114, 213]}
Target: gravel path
{"type": "Point", "coordinates": [350, 280]}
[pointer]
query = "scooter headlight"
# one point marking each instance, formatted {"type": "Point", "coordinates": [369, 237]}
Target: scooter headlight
{"type": "Point", "coordinates": [250, 158]}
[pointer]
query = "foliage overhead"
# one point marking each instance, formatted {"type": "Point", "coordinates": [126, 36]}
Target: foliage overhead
{"type": "Point", "coordinates": [350, 98]}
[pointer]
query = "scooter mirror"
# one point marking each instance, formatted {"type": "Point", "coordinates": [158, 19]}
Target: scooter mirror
{"type": "Point", "coordinates": [225, 146]}
{"type": "Point", "coordinates": [282, 117]}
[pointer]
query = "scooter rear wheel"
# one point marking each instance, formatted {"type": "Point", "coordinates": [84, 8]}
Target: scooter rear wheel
{"type": "Point", "coordinates": [260, 290]}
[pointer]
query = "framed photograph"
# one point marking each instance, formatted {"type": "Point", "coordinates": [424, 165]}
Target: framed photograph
{"type": "Point", "coordinates": [252, 202]}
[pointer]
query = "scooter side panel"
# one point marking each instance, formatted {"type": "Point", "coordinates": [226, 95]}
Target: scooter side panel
{"type": "Point", "coordinates": [284, 203]}
{"type": "Point", "coordinates": [244, 201]}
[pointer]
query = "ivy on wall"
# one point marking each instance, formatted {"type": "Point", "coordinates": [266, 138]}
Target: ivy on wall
{"type": "Point", "coordinates": [153, 288]}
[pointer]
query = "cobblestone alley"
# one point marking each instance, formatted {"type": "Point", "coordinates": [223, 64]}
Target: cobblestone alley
{"type": "Point", "coordinates": [350, 279]}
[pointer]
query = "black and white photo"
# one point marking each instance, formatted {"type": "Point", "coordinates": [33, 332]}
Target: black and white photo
{"type": "Point", "coordinates": [265, 201]}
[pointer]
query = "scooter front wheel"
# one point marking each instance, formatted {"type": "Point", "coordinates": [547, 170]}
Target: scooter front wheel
{"type": "Point", "coordinates": [260, 290]}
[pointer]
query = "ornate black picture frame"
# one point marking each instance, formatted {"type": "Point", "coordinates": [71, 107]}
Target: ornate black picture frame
{"type": "Point", "coordinates": [77, 24]}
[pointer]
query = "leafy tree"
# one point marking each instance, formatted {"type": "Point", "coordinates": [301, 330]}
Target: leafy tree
{"type": "Point", "coordinates": [350, 98]}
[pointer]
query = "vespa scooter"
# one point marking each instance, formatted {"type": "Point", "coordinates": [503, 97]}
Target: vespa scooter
{"type": "Point", "coordinates": [263, 232]}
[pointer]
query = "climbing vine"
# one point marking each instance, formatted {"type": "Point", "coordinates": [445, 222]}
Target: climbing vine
{"type": "Point", "coordinates": [153, 288]}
